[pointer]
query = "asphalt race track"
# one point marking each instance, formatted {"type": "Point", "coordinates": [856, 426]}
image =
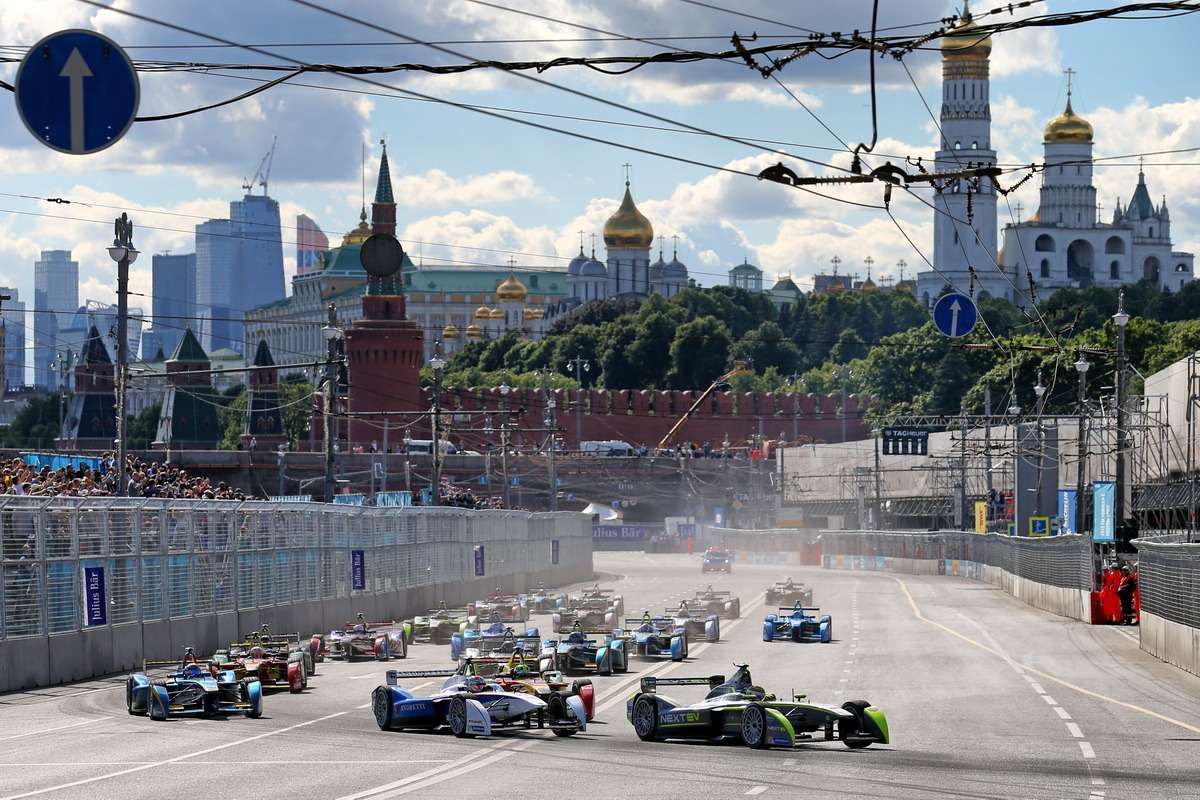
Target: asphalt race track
{"type": "Point", "coordinates": [985, 697]}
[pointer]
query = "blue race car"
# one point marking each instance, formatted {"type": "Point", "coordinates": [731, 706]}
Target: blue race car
{"type": "Point", "coordinates": [717, 559]}
{"type": "Point", "coordinates": [471, 706]}
{"type": "Point", "coordinates": [192, 689]}
{"type": "Point", "coordinates": [654, 637]}
{"type": "Point", "coordinates": [696, 622]}
{"type": "Point", "coordinates": [799, 624]}
{"type": "Point", "coordinates": [575, 652]}
{"type": "Point", "coordinates": [496, 636]}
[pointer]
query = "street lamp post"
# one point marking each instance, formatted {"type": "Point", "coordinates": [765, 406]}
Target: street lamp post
{"type": "Point", "coordinates": [331, 333]}
{"type": "Point", "coordinates": [579, 365]}
{"type": "Point", "coordinates": [844, 375]}
{"type": "Point", "coordinates": [437, 364]}
{"type": "Point", "coordinates": [1120, 319]}
{"type": "Point", "coordinates": [124, 253]}
{"type": "Point", "coordinates": [1081, 366]}
{"type": "Point", "coordinates": [875, 434]}
{"type": "Point", "coordinates": [504, 428]}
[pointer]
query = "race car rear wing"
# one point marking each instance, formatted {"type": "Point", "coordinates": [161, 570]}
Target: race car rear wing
{"type": "Point", "coordinates": [394, 675]}
{"type": "Point", "coordinates": [794, 609]}
{"type": "Point", "coordinates": [714, 593]}
{"type": "Point", "coordinates": [650, 683]}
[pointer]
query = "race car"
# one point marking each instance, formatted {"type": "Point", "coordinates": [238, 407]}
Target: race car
{"type": "Point", "coordinates": [360, 639]}
{"type": "Point", "coordinates": [471, 706]}
{"type": "Point", "coordinates": [785, 593]}
{"type": "Point", "coordinates": [565, 620]}
{"type": "Point", "coordinates": [717, 559]}
{"type": "Point", "coordinates": [595, 597]}
{"type": "Point", "coordinates": [736, 709]}
{"type": "Point", "coordinates": [191, 689]}
{"type": "Point", "coordinates": [697, 623]}
{"type": "Point", "coordinates": [576, 652]}
{"type": "Point", "coordinates": [721, 603]}
{"type": "Point", "coordinates": [517, 673]}
{"type": "Point", "coordinates": [511, 607]}
{"type": "Point", "coordinates": [270, 660]}
{"type": "Point", "coordinates": [654, 637]}
{"type": "Point", "coordinates": [542, 601]}
{"type": "Point", "coordinates": [438, 625]}
{"type": "Point", "coordinates": [497, 638]}
{"type": "Point", "coordinates": [799, 624]}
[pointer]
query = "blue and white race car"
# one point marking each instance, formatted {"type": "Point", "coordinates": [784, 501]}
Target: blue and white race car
{"type": "Point", "coordinates": [190, 690]}
{"type": "Point", "coordinates": [576, 652]}
{"type": "Point", "coordinates": [494, 639]}
{"type": "Point", "coordinates": [471, 706]}
{"type": "Point", "coordinates": [798, 624]}
{"type": "Point", "coordinates": [717, 559]}
{"type": "Point", "coordinates": [655, 637]}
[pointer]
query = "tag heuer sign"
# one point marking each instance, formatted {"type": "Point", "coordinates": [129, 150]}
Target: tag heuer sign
{"type": "Point", "coordinates": [905, 442]}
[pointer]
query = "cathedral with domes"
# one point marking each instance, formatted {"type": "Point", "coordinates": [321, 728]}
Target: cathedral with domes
{"type": "Point", "coordinates": [627, 269]}
{"type": "Point", "coordinates": [1064, 243]}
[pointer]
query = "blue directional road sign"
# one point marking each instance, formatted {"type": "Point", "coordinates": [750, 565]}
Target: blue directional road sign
{"type": "Point", "coordinates": [955, 314]}
{"type": "Point", "coordinates": [77, 91]}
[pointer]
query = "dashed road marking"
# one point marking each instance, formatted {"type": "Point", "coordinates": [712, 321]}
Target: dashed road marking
{"type": "Point", "coordinates": [51, 730]}
{"type": "Point", "coordinates": [1037, 687]}
{"type": "Point", "coordinates": [1049, 700]}
{"type": "Point", "coordinates": [756, 790]}
{"type": "Point", "coordinates": [1062, 712]}
{"type": "Point", "coordinates": [1086, 747]}
{"type": "Point", "coordinates": [1074, 730]}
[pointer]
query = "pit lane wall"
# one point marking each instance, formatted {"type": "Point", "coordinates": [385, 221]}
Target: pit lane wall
{"type": "Point", "coordinates": [1052, 574]}
{"type": "Point", "coordinates": [1169, 578]}
{"type": "Point", "coordinates": [91, 586]}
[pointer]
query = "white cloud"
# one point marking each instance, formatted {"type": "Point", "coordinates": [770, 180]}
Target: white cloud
{"type": "Point", "coordinates": [437, 188]}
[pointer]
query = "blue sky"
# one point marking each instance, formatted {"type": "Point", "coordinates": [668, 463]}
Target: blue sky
{"type": "Point", "coordinates": [473, 182]}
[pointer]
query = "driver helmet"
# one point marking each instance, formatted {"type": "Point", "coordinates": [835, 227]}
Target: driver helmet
{"type": "Point", "coordinates": [475, 684]}
{"type": "Point", "coordinates": [257, 652]}
{"type": "Point", "coordinates": [520, 671]}
{"type": "Point", "coordinates": [788, 583]}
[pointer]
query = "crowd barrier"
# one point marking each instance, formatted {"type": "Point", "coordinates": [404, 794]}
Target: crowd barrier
{"type": "Point", "coordinates": [91, 586]}
{"type": "Point", "coordinates": [1169, 576]}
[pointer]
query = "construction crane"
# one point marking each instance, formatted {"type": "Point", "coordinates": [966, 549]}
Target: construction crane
{"type": "Point", "coordinates": [739, 368]}
{"type": "Point", "coordinates": [263, 173]}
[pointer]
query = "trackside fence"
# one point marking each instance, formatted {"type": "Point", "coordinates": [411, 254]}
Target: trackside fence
{"type": "Point", "coordinates": [1169, 577]}
{"type": "Point", "coordinates": [90, 586]}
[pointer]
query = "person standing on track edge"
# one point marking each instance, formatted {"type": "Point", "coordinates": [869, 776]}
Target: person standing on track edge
{"type": "Point", "coordinates": [1126, 590]}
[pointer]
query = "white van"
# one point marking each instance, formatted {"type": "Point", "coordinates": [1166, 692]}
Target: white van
{"type": "Point", "coordinates": [609, 447]}
{"type": "Point", "coordinates": [425, 447]}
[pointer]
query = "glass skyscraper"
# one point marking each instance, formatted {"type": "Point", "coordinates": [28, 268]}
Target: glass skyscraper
{"type": "Point", "coordinates": [174, 302]}
{"type": "Point", "coordinates": [55, 289]}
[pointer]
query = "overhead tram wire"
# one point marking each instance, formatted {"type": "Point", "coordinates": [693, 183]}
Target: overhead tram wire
{"type": "Point", "coordinates": [455, 104]}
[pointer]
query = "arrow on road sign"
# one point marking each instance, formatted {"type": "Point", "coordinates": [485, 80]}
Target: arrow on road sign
{"type": "Point", "coordinates": [75, 70]}
{"type": "Point", "coordinates": [955, 307]}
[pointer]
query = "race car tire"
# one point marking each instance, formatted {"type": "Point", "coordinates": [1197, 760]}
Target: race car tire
{"type": "Point", "coordinates": [403, 646]}
{"type": "Point", "coordinates": [586, 692]}
{"type": "Point", "coordinates": [456, 718]}
{"type": "Point", "coordinates": [254, 699]}
{"type": "Point", "coordinates": [556, 710]}
{"type": "Point", "coordinates": [129, 696]}
{"type": "Point", "coordinates": [295, 677]}
{"type": "Point", "coordinates": [754, 727]}
{"type": "Point", "coordinates": [303, 676]}
{"type": "Point", "coordinates": [381, 707]}
{"type": "Point", "coordinates": [850, 730]}
{"type": "Point", "coordinates": [645, 718]}
{"type": "Point", "coordinates": [736, 610]}
{"type": "Point", "coordinates": [685, 647]}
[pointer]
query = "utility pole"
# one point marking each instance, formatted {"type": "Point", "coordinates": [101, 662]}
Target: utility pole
{"type": "Point", "coordinates": [578, 364]}
{"type": "Point", "coordinates": [63, 366]}
{"type": "Point", "coordinates": [844, 374]}
{"type": "Point", "coordinates": [878, 483]}
{"type": "Point", "coordinates": [383, 478]}
{"type": "Point", "coordinates": [504, 390]}
{"type": "Point", "coordinates": [437, 364]}
{"type": "Point", "coordinates": [124, 253]}
{"type": "Point", "coordinates": [1081, 366]}
{"type": "Point", "coordinates": [331, 333]}
{"type": "Point", "coordinates": [552, 426]}
{"type": "Point", "coordinates": [1120, 319]}
{"type": "Point", "coordinates": [987, 439]}
{"type": "Point", "coordinates": [281, 458]}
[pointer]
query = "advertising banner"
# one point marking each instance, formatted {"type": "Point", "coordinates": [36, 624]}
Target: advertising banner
{"type": "Point", "coordinates": [1039, 526]}
{"type": "Point", "coordinates": [1067, 506]}
{"type": "Point", "coordinates": [622, 532]}
{"type": "Point", "coordinates": [981, 508]}
{"type": "Point", "coordinates": [358, 571]}
{"type": "Point", "coordinates": [479, 571]}
{"type": "Point", "coordinates": [1104, 501]}
{"type": "Point", "coordinates": [95, 601]}
{"type": "Point", "coordinates": [393, 499]}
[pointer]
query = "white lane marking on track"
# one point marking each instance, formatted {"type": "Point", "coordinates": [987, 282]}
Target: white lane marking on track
{"type": "Point", "coordinates": [1098, 782]}
{"type": "Point", "coordinates": [789, 762]}
{"type": "Point", "coordinates": [197, 763]}
{"type": "Point", "coordinates": [756, 790]}
{"type": "Point", "coordinates": [1049, 700]}
{"type": "Point", "coordinates": [1062, 712]}
{"type": "Point", "coordinates": [164, 762]}
{"type": "Point", "coordinates": [1037, 687]}
{"type": "Point", "coordinates": [1074, 730]}
{"type": "Point", "coordinates": [51, 730]}
{"type": "Point", "coordinates": [843, 680]}
{"type": "Point", "coordinates": [359, 677]}
{"type": "Point", "coordinates": [460, 766]}
{"type": "Point", "coordinates": [1088, 752]}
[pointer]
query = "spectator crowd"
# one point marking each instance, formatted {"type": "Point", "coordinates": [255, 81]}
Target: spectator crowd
{"type": "Point", "coordinates": [145, 479]}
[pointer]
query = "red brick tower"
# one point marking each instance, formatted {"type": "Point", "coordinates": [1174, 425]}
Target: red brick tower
{"type": "Point", "coordinates": [384, 349]}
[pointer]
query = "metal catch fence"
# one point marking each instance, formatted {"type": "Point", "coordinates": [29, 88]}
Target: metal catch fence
{"type": "Point", "coordinates": [1169, 579]}
{"type": "Point", "coordinates": [161, 559]}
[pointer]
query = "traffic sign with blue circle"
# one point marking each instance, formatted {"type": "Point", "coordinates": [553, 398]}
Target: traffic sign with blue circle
{"type": "Point", "coordinates": [77, 91]}
{"type": "Point", "coordinates": [955, 314]}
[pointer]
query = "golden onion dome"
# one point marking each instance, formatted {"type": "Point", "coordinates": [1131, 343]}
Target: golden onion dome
{"type": "Point", "coordinates": [1068, 127]}
{"type": "Point", "coordinates": [533, 313]}
{"type": "Point", "coordinates": [495, 313]}
{"type": "Point", "coordinates": [450, 331]}
{"type": "Point", "coordinates": [360, 234]}
{"type": "Point", "coordinates": [474, 331]}
{"type": "Point", "coordinates": [511, 290]}
{"type": "Point", "coordinates": [483, 312]}
{"type": "Point", "coordinates": [628, 227]}
{"type": "Point", "coordinates": [965, 40]}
